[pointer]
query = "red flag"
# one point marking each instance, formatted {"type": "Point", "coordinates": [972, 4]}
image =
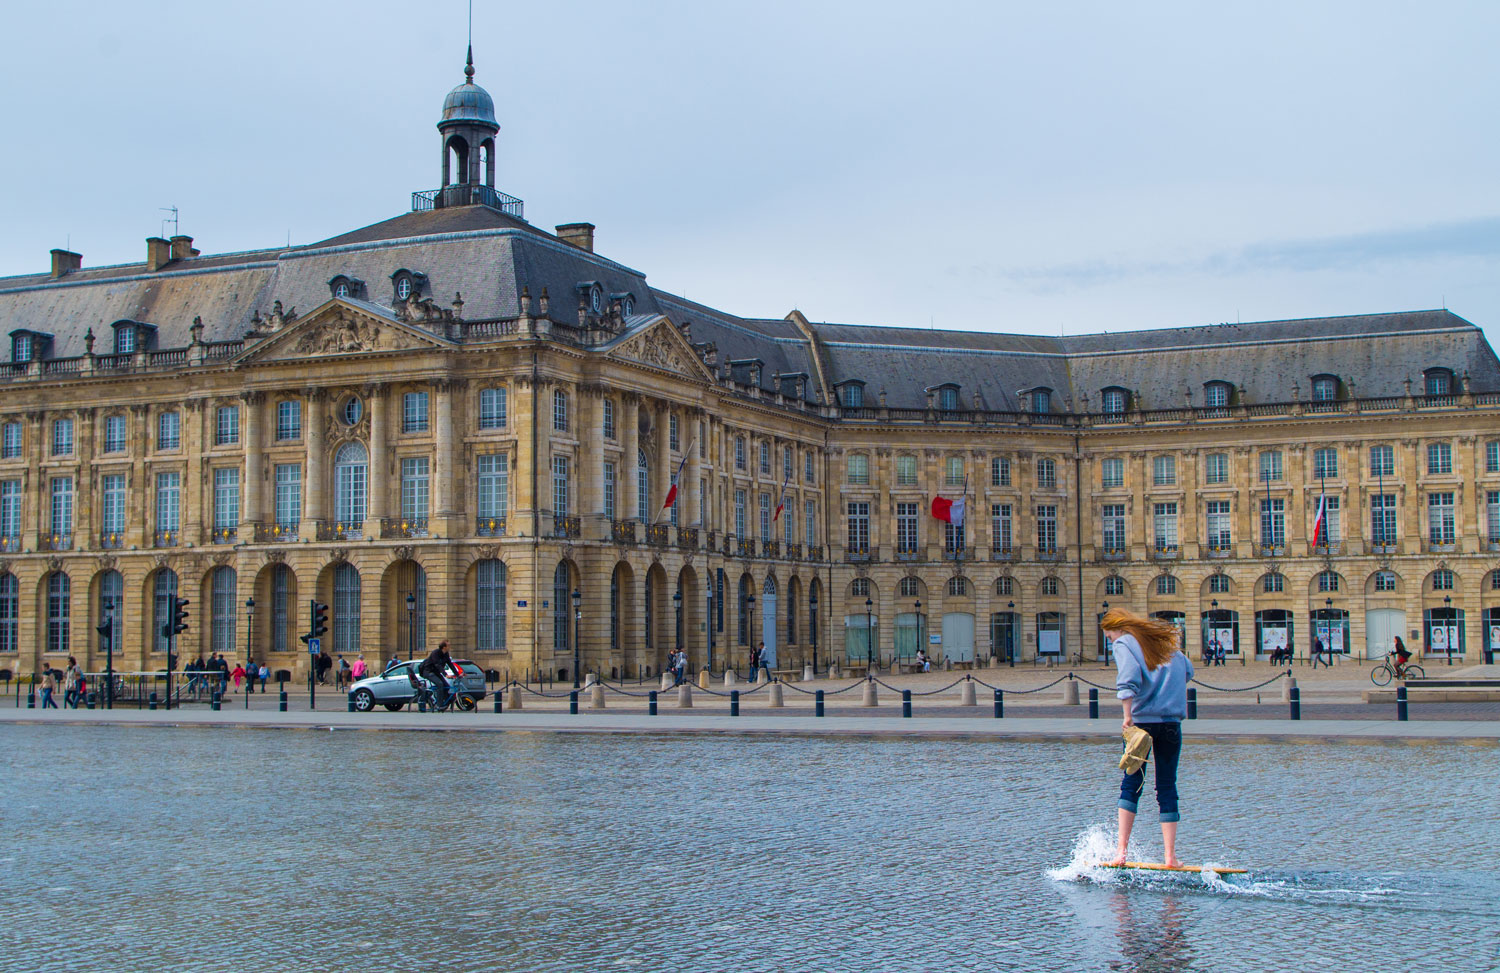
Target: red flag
{"type": "Point", "coordinates": [780, 504]}
{"type": "Point", "coordinates": [942, 509]}
{"type": "Point", "coordinates": [672, 493]}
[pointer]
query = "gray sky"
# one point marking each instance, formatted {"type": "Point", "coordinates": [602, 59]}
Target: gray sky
{"type": "Point", "coordinates": [1010, 167]}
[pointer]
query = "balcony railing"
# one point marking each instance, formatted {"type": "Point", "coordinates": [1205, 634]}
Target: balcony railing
{"type": "Point", "coordinates": [224, 535]}
{"type": "Point", "coordinates": [1114, 553]}
{"type": "Point", "coordinates": [165, 538]}
{"type": "Point", "coordinates": [403, 527]}
{"type": "Point", "coordinates": [1327, 550]}
{"type": "Point", "coordinates": [1383, 547]}
{"type": "Point", "coordinates": [744, 547]}
{"type": "Point", "coordinates": [1270, 550]}
{"type": "Point", "coordinates": [489, 526]}
{"type": "Point", "coordinates": [340, 530]}
{"type": "Point", "coordinates": [908, 553]}
{"type": "Point", "coordinates": [112, 540]}
{"type": "Point", "coordinates": [658, 535]}
{"type": "Point", "coordinates": [815, 552]}
{"type": "Point", "coordinates": [861, 554]}
{"type": "Point", "coordinates": [276, 533]}
{"type": "Point", "coordinates": [1492, 543]}
{"type": "Point", "coordinates": [622, 531]}
{"type": "Point", "coordinates": [10, 542]}
{"type": "Point", "coordinates": [57, 542]}
{"type": "Point", "coordinates": [687, 537]}
{"type": "Point", "coordinates": [465, 195]}
{"type": "Point", "coordinates": [1002, 554]}
{"type": "Point", "coordinates": [564, 526]}
{"type": "Point", "coordinates": [1219, 550]}
{"type": "Point", "coordinates": [1166, 552]}
{"type": "Point", "coordinates": [794, 552]}
{"type": "Point", "coordinates": [771, 549]}
{"type": "Point", "coordinates": [1440, 547]}
{"type": "Point", "coordinates": [1053, 554]}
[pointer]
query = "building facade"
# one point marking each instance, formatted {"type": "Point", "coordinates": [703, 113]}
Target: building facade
{"type": "Point", "coordinates": [472, 431]}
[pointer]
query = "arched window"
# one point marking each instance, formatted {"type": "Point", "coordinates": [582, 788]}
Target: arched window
{"type": "Point", "coordinates": [1166, 585]}
{"type": "Point", "coordinates": [910, 587]}
{"type": "Point", "coordinates": [1442, 580]}
{"type": "Point", "coordinates": [1049, 587]}
{"type": "Point", "coordinates": [1005, 586]}
{"type": "Point", "coordinates": [111, 606]}
{"type": "Point", "coordinates": [1273, 583]}
{"type": "Point", "coordinates": [1114, 586]}
{"type": "Point", "coordinates": [10, 608]}
{"type": "Point", "coordinates": [642, 487]}
{"type": "Point", "coordinates": [346, 591]}
{"type": "Point", "coordinates": [1218, 584]}
{"type": "Point", "coordinates": [958, 587]}
{"type": "Point", "coordinates": [561, 644]}
{"type": "Point", "coordinates": [489, 605]}
{"type": "Point", "coordinates": [163, 591]}
{"type": "Point", "coordinates": [58, 611]}
{"type": "Point", "coordinates": [791, 614]}
{"type": "Point", "coordinates": [222, 589]}
{"type": "Point", "coordinates": [350, 470]}
{"type": "Point", "coordinates": [281, 603]}
{"type": "Point", "coordinates": [412, 580]}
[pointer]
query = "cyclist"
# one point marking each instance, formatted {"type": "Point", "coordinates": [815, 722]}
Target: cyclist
{"type": "Point", "coordinates": [1402, 654]}
{"type": "Point", "coordinates": [435, 669]}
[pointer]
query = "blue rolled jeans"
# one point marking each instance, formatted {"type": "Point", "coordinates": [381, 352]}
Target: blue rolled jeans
{"type": "Point", "coordinates": [1166, 747]}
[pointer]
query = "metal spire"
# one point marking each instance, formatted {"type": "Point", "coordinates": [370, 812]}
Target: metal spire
{"type": "Point", "coordinates": [469, 67]}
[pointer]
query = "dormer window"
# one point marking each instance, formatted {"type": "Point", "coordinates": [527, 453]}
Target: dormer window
{"type": "Point", "coordinates": [27, 345]}
{"type": "Point", "coordinates": [947, 397]}
{"type": "Point", "coordinates": [1438, 381]}
{"type": "Point", "coordinates": [124, 341]}
{"type": "Point", "coordinates": [133, 336]}
{"type": "Point", "coordinates": [853, 395]}
{"type": "Point", "coordinates": [1041, 401]}
{"type": "Point", "coordinates": [626, 302]}
{"type": "Point", "coordinates": [1216, 395]}
{"type": "Point", "coordinates": [345, 287]}
{"type": "Point", "coordinates": [408, 284]}
{"type": "Point", "coordinates": [1325, 388]}
{"type": "Point", "coordinates": [1114, 401]}
{"type": "Point", "coordinates": [21, 348]}
{"type": "Point", "coordinates": [591, 295]}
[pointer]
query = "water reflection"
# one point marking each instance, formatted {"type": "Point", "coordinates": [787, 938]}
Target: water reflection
{"type": "Point", "coordinates": [1152, 933]}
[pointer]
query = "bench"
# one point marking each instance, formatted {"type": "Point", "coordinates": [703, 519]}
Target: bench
{"type": "Point", "coordinates": [858, 669]}
{"type": "Point", "coordinates": [786, 675]}
{"type": "Point", "coordinates": [904, 666]}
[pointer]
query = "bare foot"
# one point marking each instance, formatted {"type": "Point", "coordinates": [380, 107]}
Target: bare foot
{"type": "Point", "coordinates": [1119, 859]}
{"type": "Point", "coordinates": [1173, 862]}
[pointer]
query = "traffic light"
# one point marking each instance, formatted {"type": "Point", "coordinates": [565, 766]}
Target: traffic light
{"type": "Point", "coordinates": [179, 615]}
{"type": "Point", "coordinates": [106, 630]}
{"type": "Point", "coordinates": [318, 622]}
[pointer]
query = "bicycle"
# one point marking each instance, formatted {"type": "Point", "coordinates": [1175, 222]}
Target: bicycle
{"type": "Point", "coordinates": [457, 699]}
{"type": "Point", "coordinates": [1388, 669]}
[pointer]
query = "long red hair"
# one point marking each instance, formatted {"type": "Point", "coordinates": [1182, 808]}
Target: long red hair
{"type": "Point", "coordinates": [1158, 639]}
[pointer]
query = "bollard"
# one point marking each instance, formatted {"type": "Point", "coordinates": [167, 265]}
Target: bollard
{"type": "Point", "coordinates": [666, 682]}
{"type": "Point", "coordinates": [999, 704]}
{"type": "Point", "coordinates": [702, 678]}
{"type": "Point", "coordinates": [1070, 692]}
{"type": "Point", "coordinates": [1192, 695]}
{"type": "Point", "coordinates": [573, 702]}
{"type": "Point", "coordinates": [514, 702]}
{"type": "Point", "coordinates": [1296, 702]}
{"type": "Point", "coordinates": [870, 699]}
{"type": "Point", "coordinates": [685, 696]}
{"type": "Point", "coordinates": [1287, 687]}
{"type": "Point", "coordinates": [213, 701]}
{"type": "Point", "coordinates": [734, 702]}
{"type": "Point", "coordinates": [1401, 703]}
{"type": "Point", "coordinates": [499, 707]}
{"type": "Point", "coordinates": [596, 696]}
{"type": "Point", "coordinates": [818, 703]}
{"type": "Point", "coordinates": [764, 675]}
{"type": "Point", "coordinates": [152, 704]}
{"type": "Point", "coordinates": [730, 677]}
{"type": "Point", "coordinates": [906, 702]}
{"type": "Point", "coordinates": [351, 702]}
{"type": "Point", "coordinates": [282, 704]}
{"type": "Point", "coordinates": [651, 703]}
{"type": "Point", "coordinates": [776, 701]}
{"type": "Point", "coordinates": [807, 674]}
{"type": "Point", "coordinates": [966, 695]}
{"type": "Point", "coordinates": [1093, 703]}
{"type": "Point", "coordinates": [31, 699]}
{"type": "Point", "coordinates": [89, 700]}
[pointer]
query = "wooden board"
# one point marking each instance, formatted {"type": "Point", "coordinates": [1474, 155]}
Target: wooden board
{"type": "Point", "coordinates": [1180, 868]}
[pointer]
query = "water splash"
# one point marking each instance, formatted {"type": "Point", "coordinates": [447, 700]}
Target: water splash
{"type": "Point", "coordinates": [1091, 849]}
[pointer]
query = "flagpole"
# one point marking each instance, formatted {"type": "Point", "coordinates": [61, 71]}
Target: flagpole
{"type": "Point", "coordinates": [676, 483]}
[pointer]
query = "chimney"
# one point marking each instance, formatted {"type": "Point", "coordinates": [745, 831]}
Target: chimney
{"type": "Point", "coordinates": [580, 235]}
{"type": "Point", "coordinates": [182, 248]}
{"type": "Point", "coordinates": [158, 253]}
{"type": "Point", "coordinates": [65, 262]}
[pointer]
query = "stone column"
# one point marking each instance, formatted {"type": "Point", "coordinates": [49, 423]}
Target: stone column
{"type": "Point", "coordinates": [315, 482]}
{"type": "Point", "coordinates": [196, 501]}
{"type": "Point", "coordinates": [444, 469]}
{"type": "Point", "coordinates": [1409, 470]}
{"type": "Point", "coordinates": [665, 465]}
{"type": "Point", "coordinates": [255, 461]}
{"type": "Point", "coordinates": [139, 512]}
{"type": "Point", "coordinates": [379, 492]}
{"type": "Point", "coordinates": [694, 473]}
{"type": "Point", "coordinates": [630, 446]}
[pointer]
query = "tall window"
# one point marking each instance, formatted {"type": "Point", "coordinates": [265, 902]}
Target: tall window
{"type": "Point", "coordinates": [59, 611]}
{"type": "Point", "coordinates": [859, 469]}
{"type": "Point", "coordinates": [414, 490]}
{"type": "Point", "coordinates": [10, 512]}
{"type": "Point", "coordinates": [807, 467]}
{"type": "Point", "coordinates": [1439, 458]}
{"type": "Point", "coordinates": [609, 419]}
{"type": "Point", "coordinates": [346, 590]}
{"type": "Point", "coordinates": [789, 522]}
{"type": "Point", "coordinates": [859, 528]}
{"type": "Point", "coordinates": [1272, 522]}
{"type": "Point", "coordinates": [1440, 518]}
{"type": "Point", "coordinates": [1383, 518]}
{"type": "Point", "coordinates": [559, 410]}
{"type": "Point", "coordinates": [1114, 401]}
{"type": "Point", "coordinates": [168, 502]}
{"type": "Point", "coordinates": [492, 411]}
{"type": "Point", "coordinates": [10, 440]}
{"type": "Point", "coordinates": [163, 591]}
{"type": "Point", "coordinates": [350, 469]}
{"type": "Point", "coordinates": [489, 605]}
{"type": "Point", "coordinates": [676, 500]}
{"type": "Point", "coordinates": [1046, 473]}
{"type": "Point", "coordinates": [906, 528]}
{"type": "Point", "coordinates": [1491, 456]}
{"type": "Point", "coordinates": [226, 499]}
{"type": "Point", "coordinates": [674, 441]}
{"type": "Point", "coordinates": [1382, 461]}
{"type": "Point", "coordinates": [1112, 472]}
{"type": "Point", "coordinates": [1220, 526]}
{"type": "Point", "coordinates": [1492, 515]}
{"type": "Point", "coordinates": [1046, 528]}
{"type": "Point", "coordinates": [288, 420]}
{"type": "Point", "coordinates": [561, 644]}
{"type": "Point", "coordinates": [739, 513]}
{"type": "Point", "coordinates": [765, 516]}
{"type": "Point", "coordinates": [765, 457]}
{"type": "Point", "coordinates": [1000, 527]}
{"type": "Point", "coordinates": [786, 463]}
{"type": "Point", "coordinates": [414, 412]}
{"type": "Point", "coordinates": [906, 471]}
{"type": "Point", "coordinates": [62, 506]}
{"type": "Point", "coordinates": [643, 488]}
{"type": "Point", "coordinates": [494, 485]}
{"type": "Point", "coordinates": [1164, 470]}
{"type": "Point", "coordinates": [560, 485]}
{"type": "Point", "coordinates": [1216, 468]}
{"type": "Point", "coordinates": [281, 603]}
{"type": "Point", "coordinates": [112, 504]}
{"type": "Point", "coordinates": [114, 434]}
{"type": "Point", "coordinates": [1325, 463]}
{"type": "Point", "coordinates": [222, 588]}
{"type": "Point", "coordinates": [609, 490]}
{"type": "Point", "coordinates": [227, 425]}
{"type": "Point", "coordinates": [1328, 533]}
{"type": "Point", "coordinates": [954, 540]}
{"type": "Point", "coordinates": [62, 437]}
{"type": "Point", "coordinates": [953, 471]}
{"type": "Point", "coordinates": [288, 494]}
{"type": "Point", "coordinates": [169, 430]}
{"type": "Point", "coordinates": [739, 452]}
{"type": "Point", "coordinates": [10, 608]}
{"type": "Point", "coordinates": [999, 472]}
{"type": "Point", "coordinates": [1270, 465]}
{"type": "Point", "coordinates": [1114, 527]}
{"type": "Point", "coordinates": [1164, 529]}
{"type": "Point", "coordinates": [810, 521]}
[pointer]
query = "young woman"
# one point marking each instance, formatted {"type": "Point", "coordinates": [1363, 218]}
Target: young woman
{"type": "Point", "coordinates": [1152, 687]}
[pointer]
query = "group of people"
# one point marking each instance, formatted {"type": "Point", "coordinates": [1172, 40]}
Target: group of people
{"type": "Point", "coordinates": [757, 658]}
{"type": "Point", "coordinates": [677, 665]}
{"type": "Point", "coordinates": [73, 680]}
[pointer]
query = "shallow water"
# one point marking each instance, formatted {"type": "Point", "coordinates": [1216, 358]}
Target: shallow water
{"type": "Point", "coordinates": [249, 850]}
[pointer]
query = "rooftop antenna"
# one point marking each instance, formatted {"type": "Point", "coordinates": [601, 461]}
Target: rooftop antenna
{"type": "Point", "coordinates": [469, 68]}
{"type": "Point", "coordinates": [169, 219]}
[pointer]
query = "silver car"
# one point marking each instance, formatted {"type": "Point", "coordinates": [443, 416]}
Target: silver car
{"type": "Point", "coordinates": [393, 688]}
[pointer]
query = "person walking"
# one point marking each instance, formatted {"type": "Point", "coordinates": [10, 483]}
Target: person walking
{"type": "Point", "coordinates": [265, 673]}
{"type": "Point", "coordinates": [49, 686]}
{"type": "Point", "coordinates": [1318, 651]}
{"type": "Point", "coordinates": [359, 670]}
{"type": "Point", "coordinates": [1151, 684]}
{"type": "Point", "coordinates": [223, 675]}
{"type": "Point", "coordinates": [344, 669]}
{"type": "Point", "coordinates": [72, 678]}
{"type": "Point", "coordinates": [238, 675]}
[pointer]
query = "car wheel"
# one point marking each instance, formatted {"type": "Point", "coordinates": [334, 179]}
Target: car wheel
{"type": "Point", "coordinates": [364, 701]}
{"type": "Point", "coordinates": [394, 707]}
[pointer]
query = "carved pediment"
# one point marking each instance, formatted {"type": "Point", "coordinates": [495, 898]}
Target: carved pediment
{"type": "Point", "coordinates": [340, 328]}
{"type": "Point", "coordinates": [661, 346]}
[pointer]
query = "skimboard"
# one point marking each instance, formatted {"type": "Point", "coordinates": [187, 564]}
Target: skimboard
{"type": "Point", "coordinates": [1149, 866]}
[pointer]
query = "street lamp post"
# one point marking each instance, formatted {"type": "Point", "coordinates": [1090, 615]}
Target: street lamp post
{"type": "Point", "coordinates": [1448, 620]}
{"type": "Point", "coordinates": [109, 655]}
{"type": "Point", "coordinates": [1010, 650]}
{"type": "Point", "coordinates": [1328, 629]}
{"type": "Point", "coordinates": [869, 638]}
{"type": "Point", "coordinates": [1104, 610]}
{"type": "Point", "coordinates": [709, 662]}
{"type": "Point", "coordinates": [920, 634]}
{"type": "Point", "coordinates": [812, 603]}
{"type": "Point", "coordinates": [577, 617]}
{"type": "Point", "coordinates": [411, 626]}
{"type": "Point", "coordinates": [1213, 626]}
{"type": "Point", "coordinates": [750, 624]}
{"type": "Point", "coordinates": [677, 612]}
{"type": "Point", "coordinates": [249, 645]}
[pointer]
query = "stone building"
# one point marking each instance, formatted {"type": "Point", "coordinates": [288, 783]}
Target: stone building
{"type": "Point", "coordinates": [454, 424]}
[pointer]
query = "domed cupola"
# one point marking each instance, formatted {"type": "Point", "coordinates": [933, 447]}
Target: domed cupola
{"type": "Point", "coordinates": [469, 103]}
{"type": "Point", "coordinates": [468, 129]}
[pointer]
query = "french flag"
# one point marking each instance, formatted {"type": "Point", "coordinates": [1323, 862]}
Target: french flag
{"type": "Point", "coordinates": [672, 493]}
{"type": "Point", "coordinates": [951, 511]}
{"type": "Point", "coordinates": [1318, 523]}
